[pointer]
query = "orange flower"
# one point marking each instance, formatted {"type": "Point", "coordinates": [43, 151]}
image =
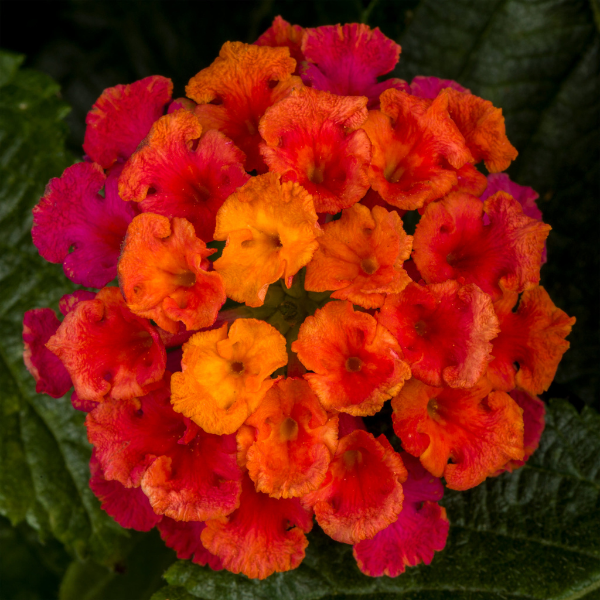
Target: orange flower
{"type": "Point", "coordinates": [282, 33]}
{"type": "Point", "coordinates": [361, 256]}
{"type": "Point", "coordinates": [479, 430]}
{"type": "Point", "coordinates": [234, 92]}
{"type": "Point", "coordinates": [483, 128]}
{"type": "Point", "coordinates": [162, 273]}
{"type": "Point", "coordinates": [417, 149]}
{"type": "Point", "coordinates": [313, 138]}
{"type": "Point", "coordinates": [533, 337]}
{"type": "Point", "coordinates": [357, 362]}
{"type": "Point", "coordinates": [362, 493]}
{"type": "Point", "coordinates": [225, 376]}
{"type": "Point", "coordinates": [271, 230]}
{"type": "Point", "coordinates": [263, 536]}
{"type": "Point", "coordinates": [291, 441]}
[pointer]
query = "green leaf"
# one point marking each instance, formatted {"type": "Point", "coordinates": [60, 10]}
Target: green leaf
{"type": "Point", "coordinates": [44, 452]}
{"type": "Point", "coordinates": [137, 576]}
{"type": "Point", "coordinates": [540, 62]}
{"type": "Point", "coordinates": [532, 534]}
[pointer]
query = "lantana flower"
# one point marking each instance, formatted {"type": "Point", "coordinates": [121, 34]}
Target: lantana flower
{"type": "Point", "coordinates": [269, 298]}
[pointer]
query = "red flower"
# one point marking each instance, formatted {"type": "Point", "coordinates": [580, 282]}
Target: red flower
{"type": "Point", "coordinates": [107, 350]}
{"type": "Point", "coordinates": [444, 330]}
{"type": "Point", "coordinates": [421, 529]}
{"type": "Point", "coordinates": [121, 118]}
{"type": "Point", "coordinates": [314, 138]}
{"type": "Point", "coordinates": [178, 172]}
{"type": "Point", "coordinates": [362, 492]}
{"type": "Point", "coordinates": [452, 241]}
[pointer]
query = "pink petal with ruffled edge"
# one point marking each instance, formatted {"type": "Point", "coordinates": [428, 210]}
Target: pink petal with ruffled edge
{"type": "Point", "coordinates": [421, 528]}
{"type": "Point", "coordinates": [72, 214]}
{"type": "Point", "coordinates": [346, 60]}
{"type": "Point", "coordinates": [184, 538]}
{"type": "Point", "coordinates": [430, 87]}
{"type": "Point", "coordinates": [129, 507]}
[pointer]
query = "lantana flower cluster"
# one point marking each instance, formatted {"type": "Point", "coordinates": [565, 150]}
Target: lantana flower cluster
{"type": "Point", "coordinates": [270, 302]}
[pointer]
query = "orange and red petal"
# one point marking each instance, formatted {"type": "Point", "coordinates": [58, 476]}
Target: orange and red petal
{"type": "Point", "coordinates": [284, 34]}
{"type": "Point", "coordinates": [76, 226]}
{"type": "Point", "coordinates": [362, 492]}
{"type": "Point", "coordinates": [421, 529]}
{"type": "Point", "coordinates": [292, 441]}
{"type": "Point", "coordinates": [50, 375]}
{"type": "Point", "coordinates": [178, 172]}
{"type": "Point", "coordinates": [236, 90]}
{"type": "Point", "coordinates": [482, 126]}
{"type": "Point", "coordinates": [357, 363]}
{"type": "Point", "coordinates": [525, 196]}
{"type": "Point", "coordinates": [121, 118]}
{"type": "Point", "coordinates": [184, 538]}
{"type": "Point", "coordinates": [107, 350]}
{"type": "Point", "coordinates": [226, 375]}
{"type": "Point", "coordinates": [444, 331]}
{"type": "Point", "coordinates": [129, 507]}
{"type": "Point", "coordinates": [452, 241]}
{"type": "Point", "coordinates": [271, 231]}
{"type": "Point", "coordinates": [162, 274]}
{"type": "Point", "coordinates": [361, 256]}
{"type": "Point", "coordinates": [463, 435]}
{"type": "Point", "coordinates": [534, 412]}
{"type": "Point", "coordinates": [186, 473]}
{"type": "Point", "coordinates": [347, 60]}
{"type": "Point", "coordinates": [263, 536]}
{"type": "Point", "coordinates": [312, 137]}
{"type": "Point", "coordinates": [532, 337]}
{"type": "Point", "coordinates": [417, 149]}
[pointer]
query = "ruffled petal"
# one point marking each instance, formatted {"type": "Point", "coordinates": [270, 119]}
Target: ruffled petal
{"type": "Point", "coordinates": [361, 257]}
{"type": "Point", "coordinates": [477, 430]}
{"type": "Point", "coordinates": [482, 126]}
{"type": "Point", "coordinates": [291, 441]}
{"type": "Point", "coordinates": [121, 118]}
{"type": "Point", "coordinates": [226, 375]}
{"type": "Point", "coordinates": [162, 274]}
{"type": "Point", "coordinates": [184, 538]}
{"type": "Point", "coordinates": [178, 172]}
{"type": "Point", "coordinates": [73, 215]}
{"type": "Point", "coordinates": [186, 473]}
{"type": "Point", "coordinates": [417, 149]}
{"type": "Point", "coordinates": [357, 363]}
{"type": "Point", "coordinates": [451, 241]}
{"type": "Point", "coordinates": [444, 331]}
{"type": "Point", "coordinates": [271, 231]}
{"type": "Point", "coordinates": [525, 196]}
{"type": "Point", "coordinates": [107, 350]}
{"type": "Point", "coordinates": [236, 90]}
{"type": "Point", "coordinates": [129, 507]}
{"type": "Point", "coordinates": [50, 375]}
{"type": "Point", "coordinates": [534, 411]}
{"type": "Point", "coordinates": [313, 138]}
{"type": "Point", "coordinates": [283, 34]}
{"type": "Point", "coordinates": [362, 492]}
{"type": "Point", "coordinates": [347, 60]}
{"type": "Point", "coordinates": [532, 338]}
{"type": "Point", "coordinates": [263, 536]}
{"type": "Point", "coordinates": [421, 529]}
{"type": "Point", "coordinates": [430, 87]}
